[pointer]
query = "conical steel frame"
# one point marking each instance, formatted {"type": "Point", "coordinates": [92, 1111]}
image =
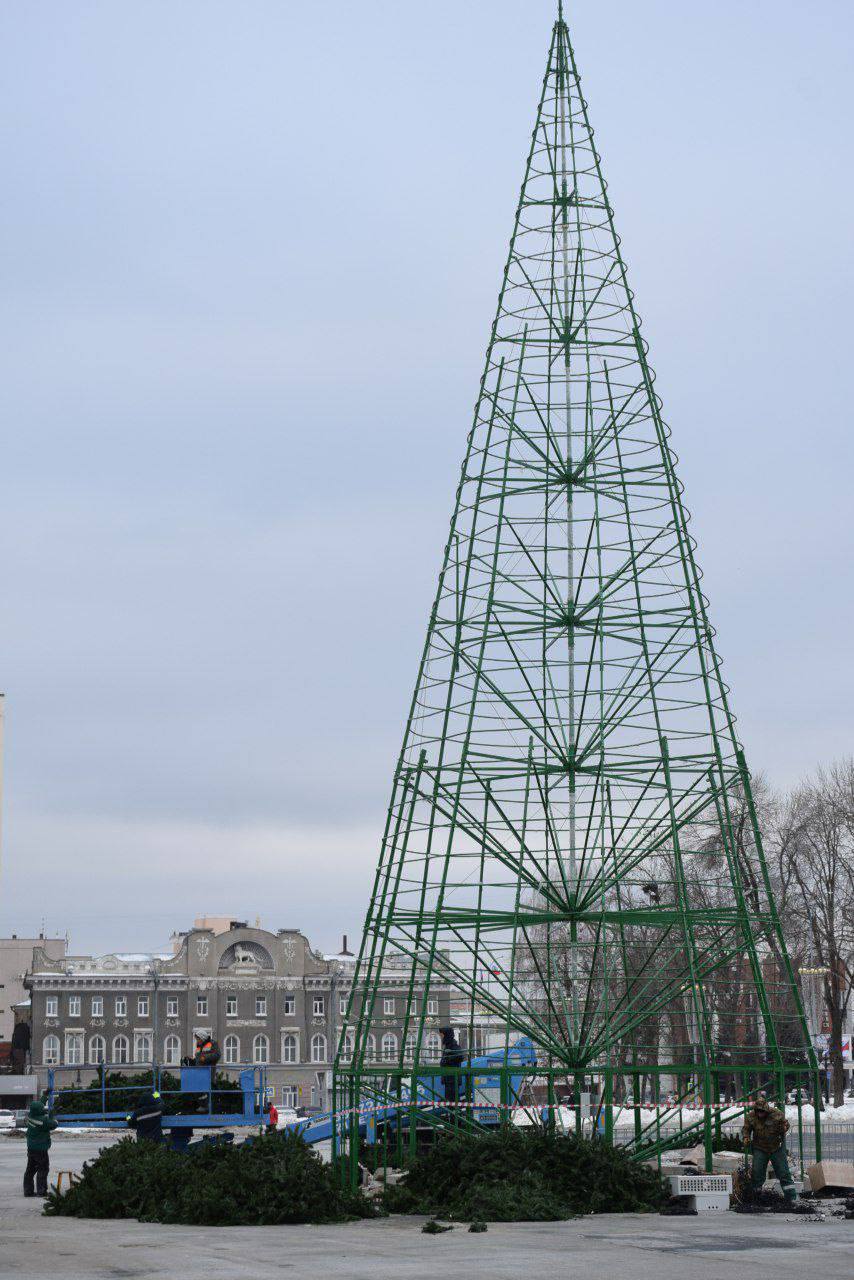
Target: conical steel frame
{"type": "Point", "coordinates": [571, 842]}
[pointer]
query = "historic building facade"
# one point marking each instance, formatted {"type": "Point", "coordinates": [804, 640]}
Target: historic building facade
{"type": "Point", "coordinates": [269, 999]}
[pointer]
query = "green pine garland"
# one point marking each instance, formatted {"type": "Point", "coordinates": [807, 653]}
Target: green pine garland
{"type": "Point", "coordinates": [122, 1090]}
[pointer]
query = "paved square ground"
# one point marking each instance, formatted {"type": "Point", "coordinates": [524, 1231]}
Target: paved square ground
{"type": "Point", "coordinates": [628, 1246]}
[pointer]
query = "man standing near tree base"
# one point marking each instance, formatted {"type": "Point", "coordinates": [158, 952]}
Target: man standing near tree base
{"type": "Point", "coordinates": [765, 1129]}
{"type": "Point", "coordinates": [39, 1126]}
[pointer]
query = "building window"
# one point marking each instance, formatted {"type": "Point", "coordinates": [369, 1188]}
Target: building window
{"type": "Point", "coordinates": [120, 1050]}
{"type": "Point", "coordinates": [261, 1049]}
{"type": "Point", "coordinates": [432, 1007]}
{"type": "Point", "coordinates": [202, 1006]}
{"type": "Point", "coordinates": [371, 1049]}
{"type": "Point", "coordinates": [142, 1046]}
{"type": "Point", "coordinates": [389, 1047]}
{"type": "Point", "coordinates": [171, 1051]}
{"type": "Point", "coordinates": [50, 1051]}
{"type": "Point", "coordinates": [121, 1007]}
{"type": "Point", "coordinates": [342, 1006]}
{"type": "Point", "coordinates": [74, 1006]}
{"type": "Point", "coordinates": [142, 1007]}
{"type": "Point", "coordinates": [318, 1048]}
{"type": "Point", "coordinates": [260, 1006]}
{"type": "Point", "coordinates": [231, 1050]}
{"type": "Point", "coordinates": [479, 1040]}
{"type": "Point", "coordinates": [74, 1048]}
{"type": "Point", "coordinates": [51, 1008]}
{"type": "Point", "coordinates": [97, 1050]}
{"type": "Point", "coordinates": [231, 1006]}
{"type": "Point", "coordinates": [434, 1047]}
{"type": "Point", "coordinates": [289, 1096]}
{"type": "Point", "coordinates": [171, 1006]}
{"type": "Point", "coordinates": [290, 1006]}
{"type": "Point", "coordinates": [347, 1047]}
{"type": "Point", "coordinates": [289, 1049]}
{"type": "Point", "coordinates": [409, 1052]}
{"type": "Point", "coordinates": [388, 1005]}
{"type": "Point", "coordinates": [319, 1006]}
{"type": "Point", "coordinates": [97, 1006]}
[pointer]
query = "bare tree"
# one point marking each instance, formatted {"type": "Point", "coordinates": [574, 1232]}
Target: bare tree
{"type": "Point", "coordinates": [815, 858]}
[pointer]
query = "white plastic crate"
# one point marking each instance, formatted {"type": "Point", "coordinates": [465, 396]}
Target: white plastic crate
{"type": "Point", "coordinates": [708, 1192]}
{"type": "Point", "coordinates": [710, 1201]}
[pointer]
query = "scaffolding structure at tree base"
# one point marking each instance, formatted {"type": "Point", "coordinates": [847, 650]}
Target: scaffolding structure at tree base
{"type": "Point", "coordinates": [396, 1112]}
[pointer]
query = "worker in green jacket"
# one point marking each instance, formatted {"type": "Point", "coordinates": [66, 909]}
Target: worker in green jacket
{"type": "Point", "coordinates": [765, 1129]}
{"type": "Point", "coordinates": [39, 1125]}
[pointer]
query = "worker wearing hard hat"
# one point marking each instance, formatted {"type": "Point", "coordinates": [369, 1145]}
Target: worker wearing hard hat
{"type": "Point", "coordinates": [207, 1051]}
{"type": "Point", "coordinates": [765, 1129]}
{"type": "Point", "coordinates": [147, 1119]}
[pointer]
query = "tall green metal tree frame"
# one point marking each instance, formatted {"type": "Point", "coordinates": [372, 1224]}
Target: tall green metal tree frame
{"type": "Point", "coordinates": [571, 841]}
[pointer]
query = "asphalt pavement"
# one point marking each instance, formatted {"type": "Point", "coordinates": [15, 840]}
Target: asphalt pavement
{"type": "Point", "coordinates": [631, 1246]}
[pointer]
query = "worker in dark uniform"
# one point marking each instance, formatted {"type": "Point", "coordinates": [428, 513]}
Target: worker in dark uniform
{"type": "Point", "coordinates": [765, 1129]}
{"type": "Point", "coordinates": [147, 1119]}
{"type": "Point", "coordinates": [39, 1125]}
{"type": "Point", "coordinates": [452, 1056]}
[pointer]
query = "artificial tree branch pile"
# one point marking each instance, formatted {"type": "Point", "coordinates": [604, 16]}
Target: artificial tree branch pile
{"type": "Point", "coordinates": [523, 1176]}
{"type": "Point", "coordinates": [264, 1181]}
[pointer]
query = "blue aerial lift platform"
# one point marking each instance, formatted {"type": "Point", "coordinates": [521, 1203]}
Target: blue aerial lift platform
{"type": "Point", "coordinates": [197, 1083]}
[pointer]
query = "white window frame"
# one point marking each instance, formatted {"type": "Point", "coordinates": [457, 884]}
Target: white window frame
{"type": "Point", "coordinates": [389, 1047]}
{"type": "Point", "coordinates": [231, 1049]}
{"type": "Point", "coordinates": [51, 1007]}
{"type": "Point", "coordinates": [172, 1050]}
{"type": "Point", "coordinates": [388, 1005]}
{"type": "Point", "coordinates": [143, 1007]}
{"type": "Point", "coordinates": [432, 1007]}
{"type": "Point", "coordinates": [74, 1006]}
{"type": "Point", "coordinates": [97, 1050]}
{"type": "Point", "coordinates": [143, 1046]}
{"type": "Point", "coordinates": [121, 1006]}
{"type": "Point", "coordinates": [371, 1048]}
{"type": "Point", "coordinates": [319, 1006]}
{"type": "Point", "coordinates": [97, 1006]}
{"type": "Point", "coordinates": [290, 1096]}
{"type": "Point", "coordinates": [260, 1006]}
{"type": "Point", "coordinates": [342, 1006]}
{"type": "Point", "coordinates": [290, 1041]}
{"type": "Point", "coordinates": [171, 1006]}
{"type": "Point", "coordinates": [231, 1006]}
{"type": "Point", "coordinates": [289, 1008]}
{"type": "Point", "coordinates": [261, 1049]}
{"type": "Point", "coordinates": [117, 1051]}
{"type": "Point", "coordinates": [318, 1047]}
{"type": "Point", "coordinates": [433, 1047]}
{"type": "Point", "coordinates": [51, 1051]}
{"type": "Point", "coordinates": [75, 1052]}
{"type": "Point", "coordinates": [201, 1006]}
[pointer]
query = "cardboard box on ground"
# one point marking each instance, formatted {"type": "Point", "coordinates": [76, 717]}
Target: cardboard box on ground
{"type": "Point", "coordinates": [831, 1175]}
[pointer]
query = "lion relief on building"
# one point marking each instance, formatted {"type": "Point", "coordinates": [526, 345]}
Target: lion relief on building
{"type": "Point", "coordinates": [246, 957]}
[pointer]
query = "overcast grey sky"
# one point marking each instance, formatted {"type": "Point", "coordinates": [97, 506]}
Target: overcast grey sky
{"type": "Point", "coordinates": [250, 260]}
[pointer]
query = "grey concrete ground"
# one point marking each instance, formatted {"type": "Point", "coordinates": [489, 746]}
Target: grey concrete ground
{"type": "Point", "coordinates": [633, 1247]}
